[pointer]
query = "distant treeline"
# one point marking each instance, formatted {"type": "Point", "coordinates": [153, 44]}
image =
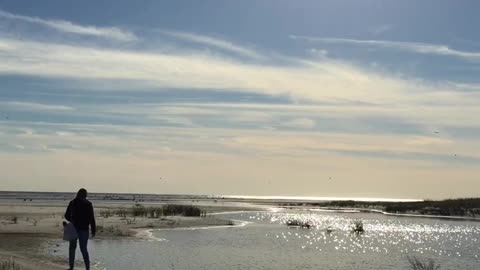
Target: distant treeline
{"type": "Point", "coordinates": [453, 207]}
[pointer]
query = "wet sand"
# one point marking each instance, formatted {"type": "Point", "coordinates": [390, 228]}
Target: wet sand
{"type": "Point", "coordinates": [27, 227]}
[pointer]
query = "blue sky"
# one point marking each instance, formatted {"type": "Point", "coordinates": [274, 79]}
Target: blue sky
{"type": "Point", "coordinates": [241, 97]}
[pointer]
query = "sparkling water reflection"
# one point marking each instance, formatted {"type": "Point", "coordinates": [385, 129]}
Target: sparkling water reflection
{"type": "Point", "coordinates": [267, 243]}
{"type": "Point", "coordinates": [406, 235]}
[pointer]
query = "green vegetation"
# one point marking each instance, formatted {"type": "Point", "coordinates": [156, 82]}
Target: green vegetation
{"type": "Point", "coordinates": [298, 223]}
{"type": "Point", "coordinates": [418, 264]}
{"type": "Point", "coordinates": [358, 227]}
{"type": "Point", "coordinates": [458, 207]}
{"type": "Point", "coordinates": [155, 212]}
{"type": "Point", "coordinates": [14, 219]}
{"type": "Point", "coordinates": [9, 265]}
{"type": "Point", "coordinates": [468, 207]}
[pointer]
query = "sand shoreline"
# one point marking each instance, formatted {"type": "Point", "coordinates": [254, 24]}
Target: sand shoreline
{"type": "Point", "coordinates": [32, 227]}
{"type": "Point", "coordinates": [27, 228]}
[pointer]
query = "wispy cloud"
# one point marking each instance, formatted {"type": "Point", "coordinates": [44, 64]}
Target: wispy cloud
{"type": "Point", "coordinates": [69, 27]}
{"type": "Point", "coordinates": [324, 81]}
{"type": "Point", "coordinates": [113, 138]}
{"type": "Point", "coordinates": [31, 106]}
{"type": "Point", "coordinates": [302, 123]}
{"type": "Point", "coordinates": [416, 47]}
{"type": "Point", "coordinates": [338, 81]}
{"type": "Point", "coordinates": [214, 42]}
{"type": "Point", "coordinates": [110, 152]}
{"type": "Point", "coordinates": [380, 29]}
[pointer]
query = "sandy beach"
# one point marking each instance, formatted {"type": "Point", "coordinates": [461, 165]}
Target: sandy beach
{"type": "Point", "coordinates": [27, 227]}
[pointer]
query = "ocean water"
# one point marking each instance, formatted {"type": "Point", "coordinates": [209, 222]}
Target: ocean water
{"type": "Point", "coordinates": [263, 241]}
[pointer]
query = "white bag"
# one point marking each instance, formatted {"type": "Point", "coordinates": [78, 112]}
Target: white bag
{"type": "Point", "coordinates": [69, 232]}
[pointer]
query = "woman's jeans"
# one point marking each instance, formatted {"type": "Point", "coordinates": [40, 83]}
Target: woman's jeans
{"type": "Point", "coordinates": [83, 240]}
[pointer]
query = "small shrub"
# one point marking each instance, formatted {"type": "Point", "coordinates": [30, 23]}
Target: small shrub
{"type": "Point", "coordinates": [139, 211]}
{"type": "Point", "coordinates": [122, 212]}
{"type": "Point", "coordinates": [419, 264]}
{"type": "Point", "coordinates": [106, 213]}
{"type": "Point", "coordinates": [153, 212]}
{"type": "Point", "coordinates": [14, 219]}
{"type": "Point", "coordinates": [34, 222]}
{"type": "Point", "coordinates": [130, 221]}
{"type": "Point", "coordinates": [358, 227]}
{"type": "Point", "coordinates": [9, 265]}
{"type": "Point", "coordinates": [298, 223]}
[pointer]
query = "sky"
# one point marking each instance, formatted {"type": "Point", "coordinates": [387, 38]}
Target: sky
{"type": "Point", "coordinates": [370, 99]}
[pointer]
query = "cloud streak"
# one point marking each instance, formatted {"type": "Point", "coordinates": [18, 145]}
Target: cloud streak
{"type": "Point", "coordinates": [324, 80]}
{"type": "Point", "coordinates": [34, 107]}
{"type": "Point", "coordinates": [141, 140]}
{"type": "Point", "coordinates": [416, 47]}
{"type": "Point", "coordinates": [301, 123]}
{"type": "Point", "coordinates": [113, 33]}
{"type": "Point", "coordinates": [215, 42]}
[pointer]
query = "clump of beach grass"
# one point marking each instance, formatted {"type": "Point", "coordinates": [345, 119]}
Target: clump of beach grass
{"type": "Point", "coordinates": [156, 212]}
{"type": "Point", "coordinates": [14, 219]}
{"type": "Point", "coordinates": [358, 227]}
{"type": "Point", "coordinates": [106, 213]}
{"type": "Point", "coordinates": [298, 223]}
{"type": "Point", "coordinates": [183, 210]}
{"type": "Point", "coordinates": [9, 265]}
{"type": "Point", "coordinates": [419, 264]}
{"type": "Point", "coordinates": [113, 230]}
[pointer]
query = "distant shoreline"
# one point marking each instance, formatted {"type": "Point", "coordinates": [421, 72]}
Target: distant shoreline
{"type": "Point", "coordinates": [414, 215]}
{"type": "Point", "coordinates": [466, 208]}
{"type": "Point", "coordinates": [130, 196]}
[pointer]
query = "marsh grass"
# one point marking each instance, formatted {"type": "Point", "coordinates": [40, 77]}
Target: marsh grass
{"type": "Point", "coordinates": [9, 265]}
{"type": "Point", "coordinates": [155, 212]}
{"type": "Point", "coordinates": [183, 210]}
{"type": "Point", "coordinates": [419, 264]}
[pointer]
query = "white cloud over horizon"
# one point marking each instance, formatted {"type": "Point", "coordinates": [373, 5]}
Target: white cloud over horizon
{"type": "Point", "coordinates": [143, 154]}
{"type": "Point", "coordinates": [114, 33]}
{"type": "Point", "coordinates": [138, 140]}
{"type": "Point", "coordinates": [325, 80]}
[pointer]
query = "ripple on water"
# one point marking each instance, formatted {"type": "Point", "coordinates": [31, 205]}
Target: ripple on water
{"type": "Point", "coordinates": [386, 235]}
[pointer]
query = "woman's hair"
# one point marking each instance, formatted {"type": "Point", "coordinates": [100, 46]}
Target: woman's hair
{"type": "Point", "coordinates": [81, 194]}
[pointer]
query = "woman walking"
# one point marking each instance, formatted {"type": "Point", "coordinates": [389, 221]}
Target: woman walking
{"type": "Point", "coordinates": [80, 214]}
